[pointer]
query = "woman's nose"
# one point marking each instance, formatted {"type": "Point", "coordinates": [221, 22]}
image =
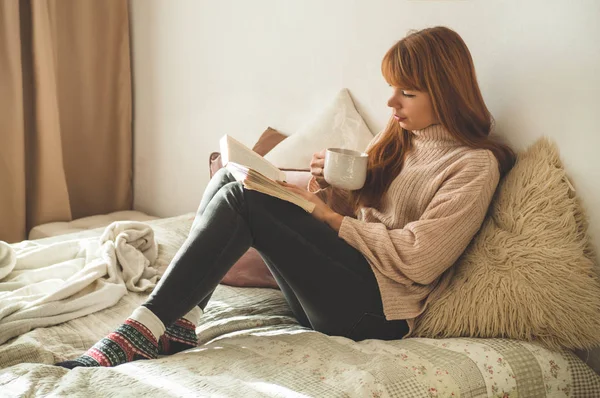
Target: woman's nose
{"type": "Point", "coordinates": [392, 103]}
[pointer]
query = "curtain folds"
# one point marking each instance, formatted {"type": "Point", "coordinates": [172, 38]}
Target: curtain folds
{"type": "Point", "coordinates": [65, 112]}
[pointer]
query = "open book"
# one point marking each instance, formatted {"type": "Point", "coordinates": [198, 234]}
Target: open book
{"type": "Point", "coordinates": [257, 173]}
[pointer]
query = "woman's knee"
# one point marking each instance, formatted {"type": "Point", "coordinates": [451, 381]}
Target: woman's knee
{"type": "Point", "coordinates": [223, 174]}
{"type": "Point", "coordinates": [235, 188]}
{"type": "Point", "coordinates": [232, 193]}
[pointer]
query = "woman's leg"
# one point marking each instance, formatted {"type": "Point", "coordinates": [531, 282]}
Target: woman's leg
{"type": "Point", "coordinates": [181, 334]}
{"type": "Point", "coordinates": [220, 179]}
{"type": "Point", "coordinates": [139, 336]}
{"type": "Point", "coordinates": [331, 280]}
{"type": "Point", "coordinates": [290, 296]}
{"type": "Point", "coordinates": [325, 278]}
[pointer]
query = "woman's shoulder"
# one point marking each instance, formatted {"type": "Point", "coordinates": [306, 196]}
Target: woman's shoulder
{"type": "Point", "coordinates": [477, 160]}
{"type": "Point", "coordinates": [484, 156]}
{"type": "Point", "coordinates": [465, 154]}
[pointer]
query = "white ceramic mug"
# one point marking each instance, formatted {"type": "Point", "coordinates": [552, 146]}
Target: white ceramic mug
{"type": "Point", "coordinates": [345, 168]}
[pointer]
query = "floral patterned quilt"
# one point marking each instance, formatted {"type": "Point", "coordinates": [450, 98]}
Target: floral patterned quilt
{"type": "Point", "coordinates": [251, 346]}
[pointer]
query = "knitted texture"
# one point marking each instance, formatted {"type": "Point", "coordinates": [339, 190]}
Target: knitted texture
{"type": "Point", "coordinates": [129, 342]}
{"type": "Point", "coordinates": [178, 337]}
{"type": "Point", "coordinates": [426, 219]}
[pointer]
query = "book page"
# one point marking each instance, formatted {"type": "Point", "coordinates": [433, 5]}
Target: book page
{"type": "Point", "coordinates": [235, 152]}
{"type": "Point", "coordinates": [255, 181]}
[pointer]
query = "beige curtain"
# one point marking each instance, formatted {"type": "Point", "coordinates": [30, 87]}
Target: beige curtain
{"type": "Point", "coordinates": [65, 112]}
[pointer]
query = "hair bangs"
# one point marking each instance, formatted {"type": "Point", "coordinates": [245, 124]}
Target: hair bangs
{"type": "Point", "coordinates": [397, 69]}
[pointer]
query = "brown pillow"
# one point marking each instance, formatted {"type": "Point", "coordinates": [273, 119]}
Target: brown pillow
{"type": "Point", "coordinates": [267, 141]}
{"type": "Point", "coordinates": [250, 270]}
{"type": "Point", "coordinates": [529, 274]}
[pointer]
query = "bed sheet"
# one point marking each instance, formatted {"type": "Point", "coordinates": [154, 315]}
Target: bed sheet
{"type": "Point", "coordinates": [251, 345]}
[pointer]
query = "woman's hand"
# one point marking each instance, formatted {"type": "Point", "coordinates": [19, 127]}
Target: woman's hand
{"type": "Point", "coordinates": [321, 211]}
{"type": "Point", "coordinates": [317, 164]}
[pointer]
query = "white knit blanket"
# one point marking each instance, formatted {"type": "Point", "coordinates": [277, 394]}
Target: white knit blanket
{"type": "Point", "coordinates": [44, 285]}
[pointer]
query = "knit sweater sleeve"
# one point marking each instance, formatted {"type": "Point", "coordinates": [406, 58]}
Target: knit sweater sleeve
{"type": "Point", "coordinates": [423, 249]}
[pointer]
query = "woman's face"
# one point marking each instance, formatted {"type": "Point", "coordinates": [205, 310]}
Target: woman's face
{"type": "Point", "coordinates": [412, 109]}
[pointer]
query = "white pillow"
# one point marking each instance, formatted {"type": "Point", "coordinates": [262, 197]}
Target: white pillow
{"type": "Point", "coordinates": [338, 126]}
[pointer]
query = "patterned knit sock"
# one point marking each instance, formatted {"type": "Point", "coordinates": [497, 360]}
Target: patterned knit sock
{"type": "Point", "coordinates": [137, 338]}
{"type": "Point", "coordinates": [181, 335]}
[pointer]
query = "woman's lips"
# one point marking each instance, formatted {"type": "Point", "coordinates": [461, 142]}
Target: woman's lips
{"type": "Point", "coordinates": [400, 119]}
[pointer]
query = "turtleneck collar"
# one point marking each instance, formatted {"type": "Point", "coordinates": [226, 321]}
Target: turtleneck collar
{"type": "Point", "coordinates": [435, 135]}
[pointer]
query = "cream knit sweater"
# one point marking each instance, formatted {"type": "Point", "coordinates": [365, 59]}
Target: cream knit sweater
{"type": "Point", "coordinates": [429, 215]}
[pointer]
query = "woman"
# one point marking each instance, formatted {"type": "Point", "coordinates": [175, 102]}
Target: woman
{"type": "Point", "coordinates": [365, 263]}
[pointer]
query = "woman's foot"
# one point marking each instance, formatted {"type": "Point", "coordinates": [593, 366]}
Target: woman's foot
{"type": "Point", "coordinates": [135, 339]}
{"type": "Point", "coordinates": [178, 337]}
{"type": "Point", "coordinates": [181, 335]}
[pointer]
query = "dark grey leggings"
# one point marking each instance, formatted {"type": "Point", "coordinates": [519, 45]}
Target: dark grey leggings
{"type": "Point", "coordinates": [328, 284]}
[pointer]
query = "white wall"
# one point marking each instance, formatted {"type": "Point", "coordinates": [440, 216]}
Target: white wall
{"type": "Point", "coordinates": [205, 68]}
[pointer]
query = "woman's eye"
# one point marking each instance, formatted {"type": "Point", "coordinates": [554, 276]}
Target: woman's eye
{"type": "Point", "coordinates": [404, 93]}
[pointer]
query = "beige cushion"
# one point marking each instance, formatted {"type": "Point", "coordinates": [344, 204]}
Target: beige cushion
{"type": "Point", "coordinates": [81, 224]}
{"type": "Point", "coordinates": [529, 274]}
{"type": "Point", "coordinates": [339, 125]}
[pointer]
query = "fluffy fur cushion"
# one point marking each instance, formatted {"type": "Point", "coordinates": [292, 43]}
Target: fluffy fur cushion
{"type": "Point", "coordinates": [529, 274]}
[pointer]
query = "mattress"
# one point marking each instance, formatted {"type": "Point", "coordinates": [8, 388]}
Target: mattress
{"type": "Point", "coordinates": [82, 224]}
{"type": "Point", "coordinates": [251, 345]}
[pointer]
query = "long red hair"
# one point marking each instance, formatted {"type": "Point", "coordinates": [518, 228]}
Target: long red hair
{"type": "Point", "coordinates": [437, 61]}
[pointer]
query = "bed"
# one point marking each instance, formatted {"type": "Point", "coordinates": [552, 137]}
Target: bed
{"type": "Point", "coordinates": [251, 345]}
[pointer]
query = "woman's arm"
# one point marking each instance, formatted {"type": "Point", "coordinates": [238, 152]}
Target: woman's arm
{"type": "Point", "coordinates": [334, 220]}
{"type": "Point", "coordinates": [337, 199]}
{"type": "Point", "coordinates": [422, 250]}
{"type": "Point", "coordinates": [322, 211]}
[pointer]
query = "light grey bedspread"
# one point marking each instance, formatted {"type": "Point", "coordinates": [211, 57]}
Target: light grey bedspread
{"type": "Point", "coordinates": [251, 346]}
